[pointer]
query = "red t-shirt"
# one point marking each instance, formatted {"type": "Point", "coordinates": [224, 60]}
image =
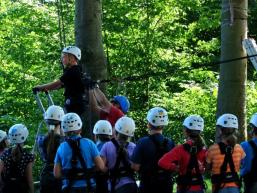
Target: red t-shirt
{"type": "Point", "coordinates": [179, 157]}
{"type": "Point", "coordinates": [112, 116]}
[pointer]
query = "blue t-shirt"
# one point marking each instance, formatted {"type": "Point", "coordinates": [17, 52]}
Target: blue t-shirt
{"type": "Point", "coordinates": [145, 151]}
{"type": "Point", "coordinates": [100, 144]}
{"type": "Point", "coordinates": [246, 164]}
{"type": "Point", "coordinates": [63, 157]}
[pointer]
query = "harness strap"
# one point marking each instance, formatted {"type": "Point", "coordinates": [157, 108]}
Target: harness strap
{"type": "Point", "coordinates": [118, 171]}
{"type": "Point", "coordinates": [224, 176]}
{"type": "Point", "coordinates": [189, 179]}
{"type": "Point", "coordinates": [161, 149]}
{"type": "Point", "coordinates": [74, 172]}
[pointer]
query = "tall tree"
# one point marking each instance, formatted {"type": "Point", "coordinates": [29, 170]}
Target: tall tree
{"type": "Point", "coordinates": [232, 82]}
{"type": "Point", "coordinates": [88, 36]}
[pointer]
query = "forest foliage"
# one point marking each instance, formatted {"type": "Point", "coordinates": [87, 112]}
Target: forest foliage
{"type": "Point", "coordinates": [164, 53]}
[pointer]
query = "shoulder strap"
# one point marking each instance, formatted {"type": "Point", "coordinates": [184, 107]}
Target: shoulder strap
{"type": "Point", "coordinates": [120, 154]}
{"type": "Point", "coordinates": [227, 150]}
{"type": "Point", "coordinates": [120, 158]}
{"type": "Point", "coordinates": [253, 167]}
{"type": "Point", "coordinates": [76, 153]}
{"type": "Point", "coordinates": [193, 162]}
{"type": "Point", "coordinates": [162, 145]}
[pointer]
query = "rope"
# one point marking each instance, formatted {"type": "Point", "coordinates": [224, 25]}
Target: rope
{"type": "Point", "coordinates": [165, 73]}
{"type": "Point", "coordinates": [38, 130]}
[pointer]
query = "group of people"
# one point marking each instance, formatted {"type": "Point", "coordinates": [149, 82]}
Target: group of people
{"type": "Point", "coordinates": [111, 162]}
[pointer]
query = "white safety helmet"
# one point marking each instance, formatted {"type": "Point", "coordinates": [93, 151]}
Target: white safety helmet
{"type": "Point", "coordinates": [125, 126]}
{"type": "Point", "coordinates": [71, 122]}
{"type": "Point", "coordinates": [18, 133]}
{"type": "Point", "coordinates": [157, 116]}
{"type": "Point", "coordinates": [54, 113]}
{"type": "Point", "coordinates": [227, 121]}
{"type": "Point", "coordinates": [194, 122]}
{"type": "Point", "coordinates": [73, 50]}
{"type": "Point", "coordinates": [254, 120]}
{"type": "Point", "coordinates": [3, 135]}
{"type": "Point", "coordinates": [103, 127]}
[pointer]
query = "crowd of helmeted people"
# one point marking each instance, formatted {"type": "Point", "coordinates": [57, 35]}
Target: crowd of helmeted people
{"type": "Point", "coordinates": [112, 162]}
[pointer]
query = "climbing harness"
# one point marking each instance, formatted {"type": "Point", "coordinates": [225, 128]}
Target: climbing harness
{"type": "Point", "coordinates": [219, 180]}
{"type": "Point", "coordinates": [76, 173]}
{"type": "Point", "coordinates": [120, 171]}
{"type": "Point", "coordinates": [190, 178]}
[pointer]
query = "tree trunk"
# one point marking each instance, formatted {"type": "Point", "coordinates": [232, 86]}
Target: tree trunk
{"type": "Point", "coordinates": [88, 35]}
{"type": "Point", "coordinates": [232, 82]}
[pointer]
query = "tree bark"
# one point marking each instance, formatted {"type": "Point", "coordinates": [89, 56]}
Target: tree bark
{"type": "Point", "coordinates": [88, 36]}
{"type": "Point", "coordinates": [233, 75]}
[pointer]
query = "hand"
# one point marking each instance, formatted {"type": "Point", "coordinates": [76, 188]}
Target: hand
{"type": "Point", "coordinates": [35, 90]}
{"type": "Point", "coordinates": [39, 89]}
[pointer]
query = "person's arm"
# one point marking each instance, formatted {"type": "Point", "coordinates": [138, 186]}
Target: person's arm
{"type": "Point", "coordinates": [100, 164]}
{"type": "Point", "coordinates": [50, 86]}
{"type": "Point", "coordinates": [93, 103]}
{"type": "Point", "coordinates": [170, 160]}
{"type": "Point", "coordinates": [29, 176]}
{"type": "Point", "coordinates": [57, 170]}
{"type": "Point", "coordinates": [101, 99]}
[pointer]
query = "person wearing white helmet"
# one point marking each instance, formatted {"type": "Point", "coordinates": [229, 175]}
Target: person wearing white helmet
{"type": "Point", "coordinates": [148, 152]}
{"type": "Point", "coordinates": [116, 155]}
{"type": "Point", "coordinates": [188, 159]}
{"type": "Point", "coordinates": [248, 167]}
{"type": "Point", "coordinates": [103, 132]}
{"type": "Point", "coordinates": [224, 157]}
{"type": "Point", "coordinates": [76, 158]}
{"type": "Point", "coordinates": [47, 146]}
{"type": "Point", "coordinates": [71, 80]}
{"type": "Point", "coordinates": [16, 163]}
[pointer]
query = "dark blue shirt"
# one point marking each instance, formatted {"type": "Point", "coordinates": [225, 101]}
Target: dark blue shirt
{"type": "Point", "coordinates": [145, 151]}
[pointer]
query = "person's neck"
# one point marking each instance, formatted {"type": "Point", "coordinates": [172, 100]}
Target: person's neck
{"type": "Point", "coordinates": [152, 131]}
{"type": "Point", "coordinates": [71, 65]}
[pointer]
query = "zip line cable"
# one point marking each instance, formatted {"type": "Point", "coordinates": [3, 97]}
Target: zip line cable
{"type": "Point", "coordinates": [165, 73]}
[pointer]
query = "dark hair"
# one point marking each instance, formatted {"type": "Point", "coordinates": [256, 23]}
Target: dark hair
{"type": "Point", "coordinates": [51, 143]}
{"type": "Point", "coordinates": [152, 127]}
{"type": "Point", "coordinates": [103, 137]}
{"type": "Point", "coordinates": [196, 137]}
{"type": "Point", "coordinates": [123, 139]}
{"type": "Point", "coordinates": [253, 129]}
{"type": "Point", "coordinates": [17, 153]}
{"type": "Point", "coordinates": [3, 145]}
{"type": "Point", "coordinates": [228, 134]}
